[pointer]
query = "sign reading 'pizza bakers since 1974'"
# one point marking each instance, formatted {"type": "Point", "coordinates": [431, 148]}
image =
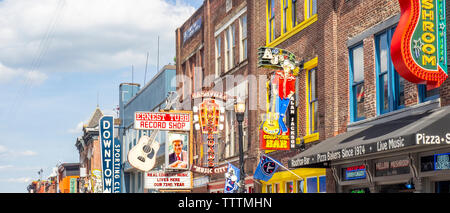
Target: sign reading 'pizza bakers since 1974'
{"type": "Point", "coordinates": [419, 44]}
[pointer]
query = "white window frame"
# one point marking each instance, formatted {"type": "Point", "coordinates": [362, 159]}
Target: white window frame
{"type": "Point", "coordinates": [218, 55]}
{"type": "Point", "coordinates": [243, 38]}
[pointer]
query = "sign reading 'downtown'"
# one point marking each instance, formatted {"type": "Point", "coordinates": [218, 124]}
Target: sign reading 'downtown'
{"type": "Point", "coordinates": [110, 155]}
{"type": "Point", "coordinates": [419, 44]}
{"type": "Point", "coordinates": [162, 121]}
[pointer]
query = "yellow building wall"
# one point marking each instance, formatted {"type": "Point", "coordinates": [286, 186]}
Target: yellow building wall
{"type": "Point", "coordinates": [283, 177]}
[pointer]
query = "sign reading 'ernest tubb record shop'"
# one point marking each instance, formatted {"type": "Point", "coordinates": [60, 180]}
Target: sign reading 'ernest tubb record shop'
{"type": "Point", "coordinates": [162, 121]}
{"type": "Point", "coordinates": [419, 44]}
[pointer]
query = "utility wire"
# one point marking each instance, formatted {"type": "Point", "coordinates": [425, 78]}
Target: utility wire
{"type": "Point", "coordinates": [42, 49]}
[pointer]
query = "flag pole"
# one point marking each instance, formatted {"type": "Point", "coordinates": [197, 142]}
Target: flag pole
{"type": "Point", "coordinates": [282, 166]}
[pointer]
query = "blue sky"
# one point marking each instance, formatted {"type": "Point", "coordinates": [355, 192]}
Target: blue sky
{"type": "Point", "coordinates": [56, 56]}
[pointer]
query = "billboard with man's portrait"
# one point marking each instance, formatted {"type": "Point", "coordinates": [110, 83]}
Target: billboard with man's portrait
{"type": "Point", "coordinates": [177, 151]}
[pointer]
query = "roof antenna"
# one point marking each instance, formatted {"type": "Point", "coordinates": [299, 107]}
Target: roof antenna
{"type": "Point", "coordinates": [97, 97]}
{"type": "Point", "coordinates": [146, 69]}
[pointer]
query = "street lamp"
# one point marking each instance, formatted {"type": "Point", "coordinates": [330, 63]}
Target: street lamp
{"type": "Point", "coordinates": [239, 108]}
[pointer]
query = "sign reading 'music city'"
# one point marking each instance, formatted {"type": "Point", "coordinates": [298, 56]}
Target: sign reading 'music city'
{"type": "Point", "coordinates": [173, 121]}
{"type": "Point", "coordinates": [419, 44]}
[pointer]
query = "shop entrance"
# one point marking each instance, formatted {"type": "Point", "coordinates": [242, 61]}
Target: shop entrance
{"type": "Point", "coordinates": [395, 188]}
{"type": "Point", "coordinates": [442, 187]}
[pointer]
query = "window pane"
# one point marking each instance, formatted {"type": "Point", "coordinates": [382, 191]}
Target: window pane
{"type": "Point", "coordinates": [385, 91]}
{"type": "Point", "coordinates": [314, 7]}
{"type": "Point", "coordinates": [358, 64]}
{"type": "Point", "coordinates": [277, 188]}
{"type": "Point", "coordinates": [322, 184]}
{"type": "Point", "coordinates": [401, 90]}
{"type": "Point", "coordinates": [311, 185]}
{"type": "Point", "coordinates": [383, 54]}
{"type": "Point", "coordinates": [245, 48]}
{"type": "Point", "coordinates": [316, 117]}
{"type": "Point", "coordinates": [359, 89]}
{"type": "Point", "coordinates": [244, 26]}
{"type": "Point", "coordinates": [289, 187]}
{"type": "Point", "coordinates": [300, 186]}
{"type": "Point", "coordinates": [312, 81]}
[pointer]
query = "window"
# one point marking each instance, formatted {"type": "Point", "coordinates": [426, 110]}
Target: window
{"type": "Point", "coordinates": [276, 187]}
{"type": "Point", "coordinates": [390, 85]}
{"type": "Point", "coordinates": [232, 44]}
{"type": "Point", "coordinates": [269, 189]}
{"type": "Point", "coordinates": [229, 44]}
{"type": "Point", "coordinates": [271, 12]}
{"type": "Point", "coordinates": [312, 101]}
{"type": "Point", "coordinates": [243, 36]}
{"type": "Point", "coordinates": [289, 187]}
{"type": "Point", "coordinates": [230, 136]}
{"type": "Point", "coordinates": [300, 186]}
{"type": "Point", "coordinates": [311, 185]}
{"type": "Point", "coordinates": [357, 111]}
{"type": "Point", "coordinates": [218, 56]}
{"type": "Point", "coordinates": [311, 8]}
{"type": "Point", "coordinates": [322, 184]}
{"type": "Point", "coordinates": [426, 95]}
{"type": "Point", "coordinates": [285, 14]}
{"type": "Point", "coordinates": [295, 13]}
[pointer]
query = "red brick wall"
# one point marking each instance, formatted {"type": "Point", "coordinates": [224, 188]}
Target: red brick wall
{"type": "Point", "coordinates": [338, 22]}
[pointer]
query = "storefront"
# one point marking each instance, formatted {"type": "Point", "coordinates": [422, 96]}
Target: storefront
{"type": "Point", "coordinates": [407, 153]}
{"type": "Point", "coordinates": [312, 181]}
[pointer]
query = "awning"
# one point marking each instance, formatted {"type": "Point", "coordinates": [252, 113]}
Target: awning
{"type": "Point", "coordinates": [418, 128]}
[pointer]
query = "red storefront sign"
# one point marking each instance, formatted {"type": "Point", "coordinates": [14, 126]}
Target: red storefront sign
{"type": "Point", "coordinates": [162, 121]}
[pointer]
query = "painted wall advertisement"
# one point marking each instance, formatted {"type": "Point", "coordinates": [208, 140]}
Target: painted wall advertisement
{"type": "Point", "coordinates": [162, 180]}
{"type": "Point", "coordinates": [110, 154]}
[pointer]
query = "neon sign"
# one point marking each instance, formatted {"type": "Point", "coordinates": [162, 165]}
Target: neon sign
{"type": "Point", "coordinates": [278, 131]}
{"type": "Point", "coordinates": [419, 45]}
{"type": "Point", "coordinates": [355, 172]}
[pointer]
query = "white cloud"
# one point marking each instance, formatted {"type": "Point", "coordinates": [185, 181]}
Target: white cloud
{"type": "Point", "coordinates": [17, 180]}
{"type": "Point", "coordinates": [4, 167]}
{"type": "Point", "coordinates": [86, 35]}
{"type": "Point", "coordinates": [6, 152]}
{"type": "Point", "coordinates": [77, 129]}
{"type": "Point", "coordinates": [20, 75]}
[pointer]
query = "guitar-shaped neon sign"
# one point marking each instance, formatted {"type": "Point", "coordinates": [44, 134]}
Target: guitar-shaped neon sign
{"type": "Point", "coordinates": [271, 125]}
{"type": "Point", "coordinates": [419, 44]}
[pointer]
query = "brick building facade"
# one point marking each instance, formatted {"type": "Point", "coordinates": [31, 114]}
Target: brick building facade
{"type": "Point", "coordinates": [328, 37]}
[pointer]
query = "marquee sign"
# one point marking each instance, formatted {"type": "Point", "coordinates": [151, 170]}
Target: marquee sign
{"type": "Point", "coordinates": [208, 170]}
{"type": "Point", "coordinates": [419, 44]}
{"type": "Point", "coordinates": [209, 117]}
{"type": "Point", "coordinates": [110, 155]}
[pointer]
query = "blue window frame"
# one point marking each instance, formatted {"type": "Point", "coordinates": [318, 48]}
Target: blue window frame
{"type": "Point", "coordinates": [311, 185]}
{"type": "Point", "coordinates": [357, 111]}
{"type": "Point", "coordinates": [322, 184]}
{"type": "Point", "coordinates": [426, 95]}
{"type": "Point", "coordinates": [390, 85]}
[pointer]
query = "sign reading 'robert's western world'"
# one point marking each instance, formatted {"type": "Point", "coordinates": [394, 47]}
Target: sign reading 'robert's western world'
{"type": "Point", "coordinates": [419, 44]}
